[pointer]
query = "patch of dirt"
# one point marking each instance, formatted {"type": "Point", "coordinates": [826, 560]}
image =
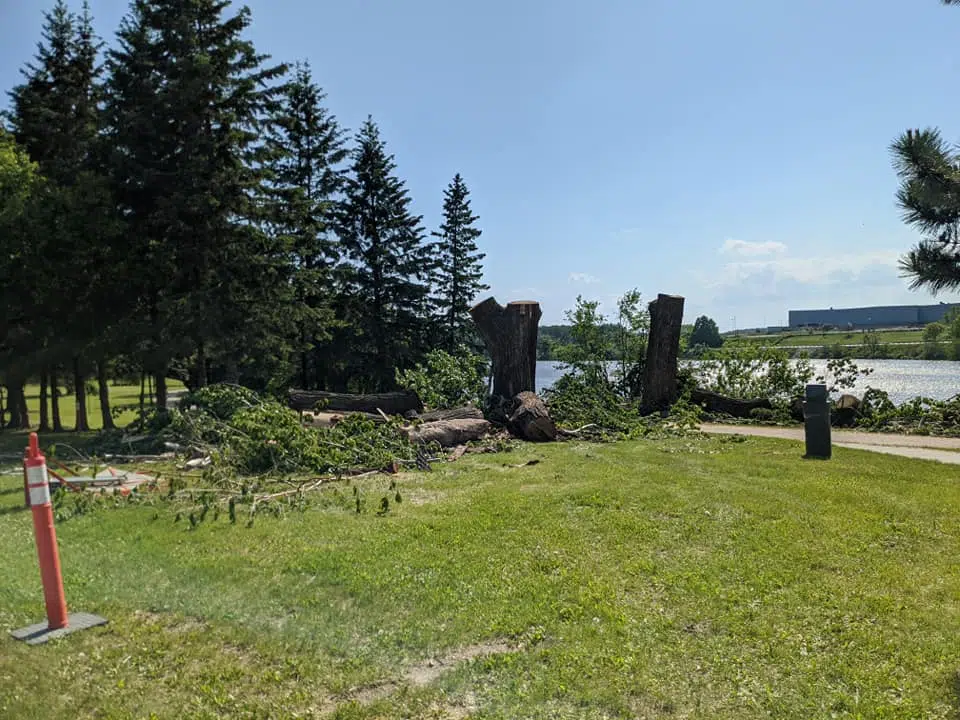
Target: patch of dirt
{"type": "Point", "coordinates": [171, 623]}
{"type": "Point", "coordinates": [426, 672]}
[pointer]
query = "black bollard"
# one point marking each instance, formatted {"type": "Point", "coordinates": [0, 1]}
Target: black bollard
{"type": "Point", "coordinates": [816, 422]}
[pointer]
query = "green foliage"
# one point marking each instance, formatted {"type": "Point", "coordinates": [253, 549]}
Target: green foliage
{"type": "Point", "coordinates": [390, 264]}
{"type": "Point", "coordinates": [922, 416]}
{"type": "Point", "coordinates": [220, 401]}
{"type": "Point", "coordinates": [630, 343]}
{"type": "Point", "coordinates": [576, 400]}
{"type": "Point", "coordinates": [753, 372]}
{"type": "Point", "coordinates": [705, 332]}
{"type": "Point", "coordinates": [929, 197]}
{"type": "Point", "coordinates": [446, 380]}
{"type": "Point", "coordinates": [590, 346]}
{"type": "Point", "coordinates": [459, 269]}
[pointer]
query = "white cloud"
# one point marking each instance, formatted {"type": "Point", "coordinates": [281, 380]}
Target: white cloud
{"type": "Point", "coordinates": [745, 248]}
{"type": "Point", "coordinates": [585, 278]}
{"type": "Point", "coordinates": [814, 270]}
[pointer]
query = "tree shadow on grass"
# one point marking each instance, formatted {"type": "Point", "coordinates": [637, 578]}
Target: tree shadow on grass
{"type": "Point", "coordinates": [12, 509]}
{"type": "Point", "coordinates": [955, 687]}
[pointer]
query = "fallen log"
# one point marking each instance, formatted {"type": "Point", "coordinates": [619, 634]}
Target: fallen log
{"type": "Point", "coordinates": [716, 403]}
{"type": "Point", "coordinates": [392, 403]}
{"type": "Point", "coordinates": [329, 419]}
{"type": "Point", "coordinates": [460, 413]}
{"type": "Point", "coordinates": [530, 419]}
{"type": "Point", "coordinates": [448, 432]}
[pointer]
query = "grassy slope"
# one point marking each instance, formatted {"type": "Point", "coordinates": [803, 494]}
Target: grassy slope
{"type": "Point", "coordinates": [795, 339]}
{"type": "Point", "coordinates": [679, 579]}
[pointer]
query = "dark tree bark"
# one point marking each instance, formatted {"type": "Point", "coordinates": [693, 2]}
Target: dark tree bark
{"type": "Point", "coordinates": [716, 403]}
{"type": "Point", "coordinates": [80, 395]}
{"type": "Point", "coordinates": [510, 334]}
{"type": "Point", "coordinates": [392, 403]}
{"type": "Point", "coordinates": [663, 347]}
{"type": "Point", "coordinates": [17, 406]}
{"type": "Point", "coordinates": [161, 390]}
{"type": "Point", "coordinates": [55, 400]}
{"type": "Point", "coordinates": [200, 370]}
{"type": "Point", "coordinates": [44, 408]}
{"type": "Point", "coordinates": [104, 388]}
{"type": "Point", "coordinates": [531, 420]}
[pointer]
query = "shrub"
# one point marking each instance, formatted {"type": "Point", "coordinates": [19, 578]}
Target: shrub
{"type": "Point", "coordinates": [448, 380]}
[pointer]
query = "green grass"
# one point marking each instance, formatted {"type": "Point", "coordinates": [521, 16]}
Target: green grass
{"type": "Point", "coordinates": [854, 337]}
{"type": "Point", "coordinates": [676, 579]}
{"type": "Point", "coordinates": [16, 440]}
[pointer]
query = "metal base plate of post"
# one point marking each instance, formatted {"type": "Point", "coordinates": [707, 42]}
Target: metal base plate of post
{"type": "Point", "coordinates": [40, 633]}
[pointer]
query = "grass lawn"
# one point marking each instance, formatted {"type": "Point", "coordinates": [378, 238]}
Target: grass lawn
{"type": "Point", "coordinates": [855, 337]}
{"type": "Point", "coordinates": [669, 579]}
{"type": "Point", "coordinates": [16, 440]}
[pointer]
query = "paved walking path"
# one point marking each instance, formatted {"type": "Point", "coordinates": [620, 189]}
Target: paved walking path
{"type": "Point", "coordinates": [921, 447]}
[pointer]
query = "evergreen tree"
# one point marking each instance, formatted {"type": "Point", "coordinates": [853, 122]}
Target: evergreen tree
{"type": "Point", "coordinates": [389, 264]}
{"type": "Point", "coordinates": [55, 117]}
{"type": "Point", "coordinates": [306, 148]}
{"type": "Point", "coordinates": [460, 270]}
{"type": "Point", "coordinates": [187, 101]}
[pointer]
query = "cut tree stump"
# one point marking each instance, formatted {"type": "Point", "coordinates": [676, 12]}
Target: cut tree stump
{"type": "Point", "coordinates": [530, 420]}
{"type": "Point", "coordinates": [716, 403]}
{"type": "Point", "coordinates": [663, 347]}
{"type": "Point", "coordinates": [449, 432]}
{"type": "Point", "coordinates": [392, 403]}
{"type": "Point", "coordinates": [510, 334]}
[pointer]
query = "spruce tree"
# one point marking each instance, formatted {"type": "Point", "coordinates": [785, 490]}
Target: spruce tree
{"type": "Point", "coordinates": [306, 149]}
{"type": "Point", "coordinates": [460, 269]}
{"type": "Point", "coordinates": [55, 117]}
{"type": "Point", "coordinates": [389, 264]}
{"type": "Point", "coordinates": [188, 98]}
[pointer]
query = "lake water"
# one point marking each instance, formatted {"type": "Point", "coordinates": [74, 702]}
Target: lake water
{"type": "Point", "coordinates": [902, 379]}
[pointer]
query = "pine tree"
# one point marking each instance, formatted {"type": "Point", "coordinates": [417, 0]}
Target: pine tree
{"type": "Point", "coordinates": [188, 96]}
{"type": "Point", "coordinates": [389, 264]}
{"type": "Point", "coordinates": [306, 149]}
{"type": "Point", "coordinates": [55, 117]}
{"type": "Point", "coordinates": [460, 270]}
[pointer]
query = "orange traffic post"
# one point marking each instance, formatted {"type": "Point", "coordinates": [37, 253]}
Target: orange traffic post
{"type": "Point", "coordinates": [58, 621]}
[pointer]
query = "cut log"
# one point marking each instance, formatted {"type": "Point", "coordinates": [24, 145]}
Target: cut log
{"type": "Point", "coordinates": [392, 403]}
{"type": "Point", "coordinates": [716, 403]}
{"type": "Point", "coordinates": [329, 419]}
{"type": "Point", "coordinates": [460, 413]}
{"type": "Point", "coordinates": [510, 334]}
{"type": "Point", "coordinates": [531, 420]}
{"type": "Point", "coordinates": [449, 432]}
{"type": "Point", "coordinates": [663, 347]}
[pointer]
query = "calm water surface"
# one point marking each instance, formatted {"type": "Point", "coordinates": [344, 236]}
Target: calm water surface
{"type": "Point", "coordinates": [902, 379]}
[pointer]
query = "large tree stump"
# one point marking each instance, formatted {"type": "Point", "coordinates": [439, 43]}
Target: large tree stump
{"type": "Point", "coordinates": [531, 420]}
{"type": "Point", "coordinates": [510, 334]}
{"type": "Point", "coordinates": [663, 347]}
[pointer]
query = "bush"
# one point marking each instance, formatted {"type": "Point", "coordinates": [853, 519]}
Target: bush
{"type": "Point", "coordinates": [447, 381]}
{"type": "Point", "coordinates": [576, 400]}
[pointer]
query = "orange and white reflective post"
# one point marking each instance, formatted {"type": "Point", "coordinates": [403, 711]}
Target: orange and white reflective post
{"type": "Point", "coordinates": [38, 487]}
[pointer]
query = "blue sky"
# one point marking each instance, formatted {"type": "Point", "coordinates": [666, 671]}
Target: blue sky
{"type": "Point", "coordinates": [734, 153]}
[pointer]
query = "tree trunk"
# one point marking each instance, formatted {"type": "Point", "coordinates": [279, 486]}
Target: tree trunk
{"type": "Point", "coordinates": [460, 413]}
{"type": "Point", "coordinates": [735, 407]}
{"type": "Point", "coordinates": [531, 420]}
{"type": "Point", "coordinates": [143, 390]}
{"type": "Point", "coordinates": [104, 387]}
{"type": "Point", "coordinates": [55, 400]}
{"type": "Point", "coordinates": [24, 410]}
{"type": "Point", "coordinates": [392, 403]}
{"type": "Point", "coordinates": [161, 388]}
{"type": "Point", "coordinates": [448, 432]}
{"type": "Point", "coordinates": [304, 370]}
{"type": "Point", "coordinates": [13, 406]}
{"type": "Point", "coordinates": [44, 408]}
{"type": "Point", "coordinates": [510, 334]}
{"type": "Point", "coordinates": [200, 377]}
{"type": "Point", "coordinates": [663, 347]}
{"type": "Point", "coordinates": [80, 395]}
